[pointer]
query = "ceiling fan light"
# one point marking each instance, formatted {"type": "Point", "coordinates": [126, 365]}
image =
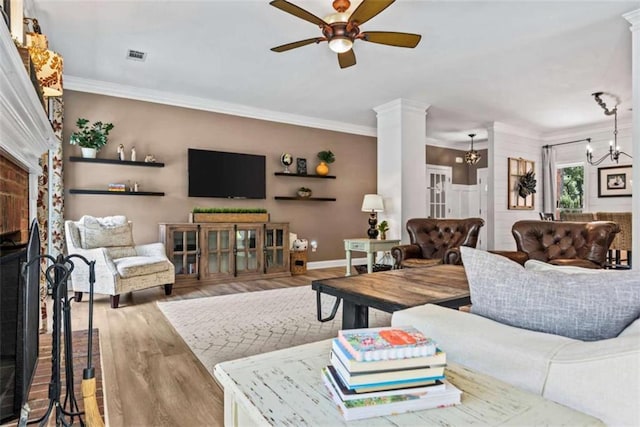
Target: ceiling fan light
{"type": "Point", "coordinates": [340, 44]}
{"type": "Point", "coordinates": [336, 17]}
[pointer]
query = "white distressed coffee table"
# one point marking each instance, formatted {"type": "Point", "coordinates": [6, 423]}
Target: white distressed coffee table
{"type": "Point", "coordinates": [284, 387]}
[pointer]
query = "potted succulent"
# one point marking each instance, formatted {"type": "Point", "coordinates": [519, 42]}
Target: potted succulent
{"type": "Point", "coordinates": [304, 192]}
{"type": "Point", "coordinates": [383, 227]}
{"type": "Point", "coordinates": [90, 137]}
{"type": "Point", "coordinates": [325, 157]}
{"type": "Point", "coordinates": [527, 184]}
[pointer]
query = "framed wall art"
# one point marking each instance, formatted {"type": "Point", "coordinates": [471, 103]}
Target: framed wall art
{"type": "Point", "coordinates": [522, 183]}
{"type": "Point", "coordinates": [614, 181]}
{"type": "Point", "coordinates": [301, 166]}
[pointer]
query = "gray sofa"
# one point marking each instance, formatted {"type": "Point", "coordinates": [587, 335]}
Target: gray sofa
{"type": "Point", "coordinates": [599, 378]}
{"type": "Point", "coordinates": [569, 334]}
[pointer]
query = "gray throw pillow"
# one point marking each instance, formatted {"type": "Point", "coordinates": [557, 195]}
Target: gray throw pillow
{"type": "Point", "coordinates": [589, 306]}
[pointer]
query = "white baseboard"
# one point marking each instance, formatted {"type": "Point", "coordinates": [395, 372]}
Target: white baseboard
{"type": "Point", "coordinates": [334, 263]}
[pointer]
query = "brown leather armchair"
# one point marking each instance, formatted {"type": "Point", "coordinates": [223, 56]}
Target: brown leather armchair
{"type": "Point", "coordinates": [436, 241]}
{"type": "Point", "coordinates": [580, 244]}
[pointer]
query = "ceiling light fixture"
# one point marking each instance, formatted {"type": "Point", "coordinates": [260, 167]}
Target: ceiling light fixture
{"type": "Point", "coordinates": [472, 157]}
{"type": "Point", "coordinates": [614, 149]}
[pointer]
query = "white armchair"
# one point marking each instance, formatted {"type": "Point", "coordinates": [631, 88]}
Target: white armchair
{"type": "Point", "coordinates": [121, 266]}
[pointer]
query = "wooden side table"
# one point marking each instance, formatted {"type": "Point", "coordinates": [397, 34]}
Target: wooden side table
{"type": "Point", "coordinates": [370, 246]}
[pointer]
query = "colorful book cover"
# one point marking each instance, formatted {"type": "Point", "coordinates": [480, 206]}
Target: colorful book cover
{"type": "Point", "coordinates": [391, 405]}
{"type": "Point", "coordinates": [396, 342]}
{"type": "Point", "coordinates": [359, 379]}
{"type": "Point", "coordinates": [354, 366]}
{"type": "Point", "coordinates": [349, 394]}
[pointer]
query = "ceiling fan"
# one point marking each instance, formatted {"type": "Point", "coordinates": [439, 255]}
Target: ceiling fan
{"type": "Point", "coordinates": [341, 30]}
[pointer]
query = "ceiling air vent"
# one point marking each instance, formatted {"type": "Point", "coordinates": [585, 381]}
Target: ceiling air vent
{"type": "Point", "coordinates": [136, 55]}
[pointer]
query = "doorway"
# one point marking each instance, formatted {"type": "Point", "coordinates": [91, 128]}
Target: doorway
{"type": "Point", "coordinates": [438, 187]}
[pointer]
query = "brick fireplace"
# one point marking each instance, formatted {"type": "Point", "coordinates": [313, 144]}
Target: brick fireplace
{"type": "Point", "coordinates": [14, 201]}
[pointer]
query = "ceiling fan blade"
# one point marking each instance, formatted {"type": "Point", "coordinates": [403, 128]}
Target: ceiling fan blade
{"type": "Point", "coordinates": [294, 45]}
{"type": "Point", "coordinates": [392, 38]}
{"type": "Point", "coordinates": [368, 9]}
{"type": "Point", "coordinates": [297, 11]}
{"type": "Point", "coordinates": [347, 59]}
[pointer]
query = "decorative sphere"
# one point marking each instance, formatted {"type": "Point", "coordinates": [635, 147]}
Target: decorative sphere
{"type": "Point", "coordinates": [286, 159]}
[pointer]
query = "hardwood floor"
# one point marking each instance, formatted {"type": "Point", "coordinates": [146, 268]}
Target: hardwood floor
{"type": "Point", "coordinates": [150, 376]}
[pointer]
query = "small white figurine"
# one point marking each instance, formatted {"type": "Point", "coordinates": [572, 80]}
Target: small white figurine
{"type": "Point", "coordinates": [300, 244]}
{"type": "Point", "coordinates": [133, 154]}
{"type": "Point", "coordinates": [149, 158]}
{"type": "Point", "coordinates": [121, 152]}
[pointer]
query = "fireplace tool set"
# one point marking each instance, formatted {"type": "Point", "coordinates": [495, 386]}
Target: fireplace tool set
{"type": "Point", "coordinates": [67, 410]}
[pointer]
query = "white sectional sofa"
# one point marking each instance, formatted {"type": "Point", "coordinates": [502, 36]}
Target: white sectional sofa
{"type": "Point", "coordinates": [600, 378]}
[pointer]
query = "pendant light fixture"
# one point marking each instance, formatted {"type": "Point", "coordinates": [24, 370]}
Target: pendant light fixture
{"type": "Point", "coordinates": [472, 157]}
{"type": "Point", "coordinates": [614, 149]}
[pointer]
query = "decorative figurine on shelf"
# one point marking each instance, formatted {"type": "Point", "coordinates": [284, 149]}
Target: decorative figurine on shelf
{"type": "Point", "coordinates": [121, 152]}
{"type": "Point", "coordinates": [287, 160]}
{"type": "Point", "coordinates": [135, 186]}
{"type": "Point", "coordinates": [149, 158]}
{"type": "Point", "coordinates": [133, 154]}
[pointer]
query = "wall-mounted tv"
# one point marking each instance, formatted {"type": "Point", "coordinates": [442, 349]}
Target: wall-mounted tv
{"type": "Point", "coordinates": [227, 175]}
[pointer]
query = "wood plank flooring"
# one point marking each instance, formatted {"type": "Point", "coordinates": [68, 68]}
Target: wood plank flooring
{"type": "Point", "coordinates": [150, 376]}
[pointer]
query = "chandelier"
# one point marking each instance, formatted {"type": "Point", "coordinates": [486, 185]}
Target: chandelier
{"type": "Point", "coordinates": [472, 157]}
{"type": "Point", "coordinates": [614, 149]}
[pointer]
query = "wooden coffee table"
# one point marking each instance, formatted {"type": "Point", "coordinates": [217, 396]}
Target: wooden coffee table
{"type": "Point", "coordinates": [394, 290]}
{"type": "Point", "coordinates": [285, 388]}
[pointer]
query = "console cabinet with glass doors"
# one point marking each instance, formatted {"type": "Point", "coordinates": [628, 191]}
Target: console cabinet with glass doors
{"type": "Point", "coordinates": [218, 252]}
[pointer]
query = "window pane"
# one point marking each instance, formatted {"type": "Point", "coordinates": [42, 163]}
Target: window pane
{"type": "Point", "coordinates": [571, 188]}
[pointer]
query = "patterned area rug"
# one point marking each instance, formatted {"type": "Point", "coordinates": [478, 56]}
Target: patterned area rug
{"type": "Point", "coordinates": [229, 327]}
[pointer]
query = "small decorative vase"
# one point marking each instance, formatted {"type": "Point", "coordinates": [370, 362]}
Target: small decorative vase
{"type": "Point", "coordinates": [304, 194]}
{"type": "Point", "coordinates": [383, 235]}
{"type": "Point", "coordinates": [322, 169]}
{"type": "Point", "coordinates": [88, 153]}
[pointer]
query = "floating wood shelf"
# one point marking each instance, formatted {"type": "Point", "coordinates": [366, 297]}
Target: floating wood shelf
{"type": "Point", "coordinates": [117, 162]}
{"type": "Point", "coordinates": [116, 193]}
{"type": "Point", "coordinates": [299, 175]}
{"type": "Point", "coordinates": [305, 199]}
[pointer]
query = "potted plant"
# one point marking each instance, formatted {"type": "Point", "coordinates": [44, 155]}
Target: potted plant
{"type": "Point", "coordinates": [383, 227]}
{"type": "Point", "coordinates": [527, 184]}
{"type": "Point", "coordinates": [304, 192]}
{"type": "Point", "coordinates": [90, 137]}
{"type": "Point", "coordinates": [325, 157]}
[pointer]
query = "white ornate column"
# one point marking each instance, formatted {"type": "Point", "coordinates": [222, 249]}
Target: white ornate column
{"type": "Point", "coordinates": [634, 19]}
{"type": "Point", "coordinates": [401, 163]}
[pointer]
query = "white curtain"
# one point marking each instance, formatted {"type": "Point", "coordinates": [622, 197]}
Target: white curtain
{"type": "Point", "coordinates": [549, 184]}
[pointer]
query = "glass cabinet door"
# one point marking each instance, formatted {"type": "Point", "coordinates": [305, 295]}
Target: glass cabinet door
{"type": "Point", "coordinates": [246, 245]}
{"type": "Point", "coordinates": [276, 244]}
{"type": "Point", "coordinates": [185, 251]}
{"type": "Point", "coordinates": [219, 251]}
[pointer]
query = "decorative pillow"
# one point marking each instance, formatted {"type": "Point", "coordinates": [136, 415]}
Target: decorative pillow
{"type": "Point", "coordinates": [104, 232]}
{"type": "Point", "coordinates": [587, 307]}
{"type": "Point", "coordinates": [535, 265]}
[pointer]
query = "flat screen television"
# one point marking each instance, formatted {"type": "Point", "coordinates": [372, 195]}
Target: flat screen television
{"type": "Point", "coordinates": [226, 175]}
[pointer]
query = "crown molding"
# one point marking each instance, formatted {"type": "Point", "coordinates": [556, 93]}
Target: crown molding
{"type": "Point", "coordinates": [582, 131]}
{"type": "Point", "coordinates": [634, 18]}
{"type": "Point", "coordinates": [159, 97]}
{"type": "Point", "coordinates": [513, 130]}
{"type": "Point", "coordinates": [402, 104]}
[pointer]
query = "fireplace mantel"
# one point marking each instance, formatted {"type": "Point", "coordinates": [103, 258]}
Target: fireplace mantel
{"type": "Point", "coordinates": [25, 131]}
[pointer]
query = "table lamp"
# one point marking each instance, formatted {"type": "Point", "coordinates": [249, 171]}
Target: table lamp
{"type": "Point", "coordinates": [373, 204]}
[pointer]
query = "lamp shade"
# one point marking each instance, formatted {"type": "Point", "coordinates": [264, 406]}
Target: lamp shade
{"type": "Point", "coordinates": [372, 203]}
{"type": "Point", "coordinates": [47, 63]}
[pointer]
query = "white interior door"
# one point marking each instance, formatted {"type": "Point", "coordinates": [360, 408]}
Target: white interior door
{"type": "Point", "coordinates": [483, 188]}
{"type": "Point", "coordinates": [438, 186]}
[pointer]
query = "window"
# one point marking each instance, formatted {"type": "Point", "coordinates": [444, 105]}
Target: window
{"type": "Point", "coordinates": [570, 179]}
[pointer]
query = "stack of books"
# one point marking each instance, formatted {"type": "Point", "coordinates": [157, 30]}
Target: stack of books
{"type": "Point", "coordinates": [117, 187]}
{"type": "Point", "coordinates": [384, 371]}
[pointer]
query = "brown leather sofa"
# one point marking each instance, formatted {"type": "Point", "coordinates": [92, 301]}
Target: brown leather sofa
{"type": "Point", "coordinates": [436, 241]}
{"type": "Point", "coordinates": [580, 244]}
